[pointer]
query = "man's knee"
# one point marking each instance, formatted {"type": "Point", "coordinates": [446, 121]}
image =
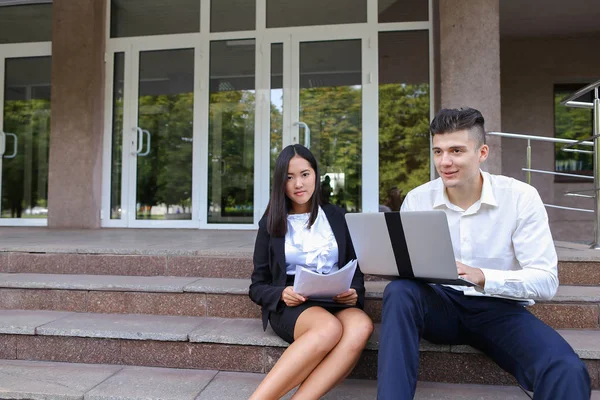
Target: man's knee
{"type": "Point", "coordinates": [402, 292]}
{"type": "Point", "coordinates": [570, 367]}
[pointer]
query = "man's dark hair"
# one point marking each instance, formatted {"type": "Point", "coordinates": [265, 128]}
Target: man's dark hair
{"type": "Point", "coordinates": [450, 120]}
{"type": "Point", "coordinates": [280, 205]}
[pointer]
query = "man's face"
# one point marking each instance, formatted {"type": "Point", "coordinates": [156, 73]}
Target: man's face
{"type": "Point", "coordinates": [457, 158]}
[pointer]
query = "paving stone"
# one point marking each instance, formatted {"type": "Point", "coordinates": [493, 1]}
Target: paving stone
{"type": "Point", "coordinates": [593, 367]}
{"type": "Point", "coordinates": [561, 316]}
{"type": "Point", "coordinates": [235, 331]}
{"type": "Point", "coordinates": [232, 386]}
{"type": "Point", "coordinates": [8, 347]}
{"type": "Point", "coordinates": [595, 395]}
{"type": "Point", "coordinates": [193, 355]}
{"type": "Point", "coordinates": [584, 342]}
{"type": "Point", "coordinates": [211, 267]}
{"type": "Point", "coordinates": [579, 273]}
{"type": "Point", "coordinates": [69, 349]}
{"type": "Point", "coordinates": [95, 282]}
{"type": "Point", "coordinates": [462, 368]}
{"type": "Point", "coordinates": [219, 285]}
{"type": "Point", "coordinates": [24, 323]}
{"type": "Point", "coordinates": [152, 384]}
{"type": "Point", "coordinates": [4, 262]}
{"type": "Point", "coordinates": [41, 299]}
{"type": "Point", "coordinates": [123, 326]}
{"type": "Point", "coordinates": [47, 263]}
{"type": "Point", "coordinates": [579, 294]}
{"type": "Point", "coordinates": [133, 265]}
{"type": "Point", "coordinates": [50, 381]}
{"type": "Point", "coordinates": [231, 306]}
{"type": "Point", "coordinates": [190, 304]}
{"type": "Point", "coordinates": [444, 391]}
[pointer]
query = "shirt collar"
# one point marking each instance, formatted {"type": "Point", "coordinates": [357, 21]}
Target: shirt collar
{"type": "Point", "coordinates": [487, 193]}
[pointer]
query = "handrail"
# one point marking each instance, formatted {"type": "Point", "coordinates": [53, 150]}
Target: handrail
{"type": "Point", "coordinates": [569, 101]}
{"type": "Point", "coordinates": [579, 93]}
{"type": "Point", "coordinates": [539, 138]}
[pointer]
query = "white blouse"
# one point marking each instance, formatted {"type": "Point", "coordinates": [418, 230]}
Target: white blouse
{"type": "Point", "coordinates": [315, 249]}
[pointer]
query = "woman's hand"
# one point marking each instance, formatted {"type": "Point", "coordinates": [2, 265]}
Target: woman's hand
{"type": "Point", "coordinates": [291, 298]}
{"type": "Point", "coordinates": [349, 297]}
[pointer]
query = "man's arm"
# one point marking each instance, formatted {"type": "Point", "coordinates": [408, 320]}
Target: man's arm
{"type": "Point", "coordinates": [535, 252]}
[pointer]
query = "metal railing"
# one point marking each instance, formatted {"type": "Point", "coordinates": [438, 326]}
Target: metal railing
{"type": "Point", "coordinates": [593, 141]}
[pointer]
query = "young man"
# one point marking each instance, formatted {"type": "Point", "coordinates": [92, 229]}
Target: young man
{"type": "Point", "coordinates": [502, 242]}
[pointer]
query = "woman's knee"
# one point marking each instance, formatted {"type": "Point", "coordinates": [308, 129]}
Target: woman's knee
{"type": "Point", "coordinates": [325, 331]}
{"type": "Point", "coordinates": [357, 333]}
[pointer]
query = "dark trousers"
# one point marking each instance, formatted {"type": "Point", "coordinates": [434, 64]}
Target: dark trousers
{"type": "Point", "coordinates": [535, 354]}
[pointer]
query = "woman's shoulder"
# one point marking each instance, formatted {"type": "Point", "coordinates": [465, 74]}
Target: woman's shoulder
{"type": "Point", "coordinates": [332, 209]}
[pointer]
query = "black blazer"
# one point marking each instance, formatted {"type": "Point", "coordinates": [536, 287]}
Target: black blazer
{"type": "Point", "coordinates": [269, 275]}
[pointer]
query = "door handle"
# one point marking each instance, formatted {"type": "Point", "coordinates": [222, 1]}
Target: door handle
{"type": "Point", "coordinates": [306, 133]}
{"type": "Point", "coordinates": [15, 144]}
{"type": "Point", "coordinates": [144, 131]}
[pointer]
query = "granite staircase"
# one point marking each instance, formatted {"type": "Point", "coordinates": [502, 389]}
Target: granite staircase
{"type": "Point", "coordinates": [188, 317]}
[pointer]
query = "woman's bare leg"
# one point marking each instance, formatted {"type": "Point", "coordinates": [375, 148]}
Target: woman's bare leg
{"type": "Point", "coordinates": [316, 332]}
{"type": "Point", "coordinates": [357, 328]}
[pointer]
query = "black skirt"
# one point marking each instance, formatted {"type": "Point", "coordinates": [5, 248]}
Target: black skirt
{"type": "Point", "coordinates": [284, 321]}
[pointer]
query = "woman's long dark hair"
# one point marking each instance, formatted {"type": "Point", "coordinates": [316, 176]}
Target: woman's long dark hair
{"type": "Point", "coordinates": [279, 204]}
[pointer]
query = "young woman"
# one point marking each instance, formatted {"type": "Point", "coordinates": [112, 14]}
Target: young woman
{"type": "Point", "coordinates": [326, 338]}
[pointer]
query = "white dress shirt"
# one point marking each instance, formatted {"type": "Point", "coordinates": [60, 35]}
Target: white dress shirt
{"type": "Point", "coordinates": [315, 249]}
{"type": "Point", "coordinates": [505, 233]}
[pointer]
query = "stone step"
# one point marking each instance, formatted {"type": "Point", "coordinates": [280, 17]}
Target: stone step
{"type": "Point", "coordinates": [572, 270]}
{"type": "Point", "coordinates": [224, 344]}
{"type": "Point", "coordinates": [56, 380]}
{"type": "Point", "coordinates": [572, 307]}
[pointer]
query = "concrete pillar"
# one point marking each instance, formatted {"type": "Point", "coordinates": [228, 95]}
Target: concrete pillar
{"type": "Point", "coordinates": [75, 163]}
{"type": "Point", "coordinates": [470, 63]}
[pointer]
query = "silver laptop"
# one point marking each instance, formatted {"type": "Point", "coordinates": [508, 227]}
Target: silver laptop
{"type": "Point", "coordinates": [411, 244]}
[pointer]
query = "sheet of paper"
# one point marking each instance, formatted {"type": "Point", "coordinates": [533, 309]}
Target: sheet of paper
{"type": "Point", "coordinates": [318, 286]}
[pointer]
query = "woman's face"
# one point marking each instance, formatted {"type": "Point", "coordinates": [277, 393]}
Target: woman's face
{"type": "Point", "coordinates": [300, 184]}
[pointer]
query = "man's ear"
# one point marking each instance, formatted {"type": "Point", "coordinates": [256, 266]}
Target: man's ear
{"type": "Point", "coordinates": [484, 151]}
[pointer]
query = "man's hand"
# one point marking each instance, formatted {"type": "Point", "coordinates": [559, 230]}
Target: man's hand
{"type": "Point", "coordinates": [474, 275]}
{"type": "Point", "coordinates": [291, 298]}
{"type": "Point", "coordinates": [349, 297]}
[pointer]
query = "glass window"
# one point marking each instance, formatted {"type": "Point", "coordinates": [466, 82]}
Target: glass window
{"type": "Point", "coordinates": [276, 102]}
{"type": "Point", "coordinates": [283, 13]}
{"type": "Point", "coordinates": [26, 136]}
{"type": "Point", "coordinates": [572, 123]}
{"type": "Point", "coordinates": [232, 15]}
{"type": "Point", "coordinates": [153, 17]}
{"type": "Point", "coordinates": [26, 23]}
{"type": "Point", "coordinates": [331, 108]}
{"type": "Point", "coordinates": [117, 137]}
{"type": "Point", "coordinates": [404, 155]}
{"type": "Point", "coordinates": [403, 10]}
{"type": "Point", "coordinates": [165, 134]}
{"type": "Point", "coordinates": [231, 132]}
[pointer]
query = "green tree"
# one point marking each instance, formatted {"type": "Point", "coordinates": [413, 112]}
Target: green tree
{"type": "Point", "coordinates": [404, 155]}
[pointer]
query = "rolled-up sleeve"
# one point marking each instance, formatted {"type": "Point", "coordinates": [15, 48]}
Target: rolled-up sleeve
{"type": "Point", "coordinates": [535, 252]}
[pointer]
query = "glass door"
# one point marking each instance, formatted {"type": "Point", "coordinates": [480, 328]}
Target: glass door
{"type": "Point", "coordinates": [24, 139]}
{"type": "Point", "coordinates": [316, 99]}
{"type": "Point", "coordinates": [162, 140]}
{"type": "Point", "coordinates": [152, 141]}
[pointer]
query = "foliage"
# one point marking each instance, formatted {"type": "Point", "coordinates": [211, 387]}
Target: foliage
{"type": "Point", "coordinates": [571, 123]}
{"type": "Point", "coordinates": [403, 137]}
{"type": "Point", "coordinates": [25, 177]}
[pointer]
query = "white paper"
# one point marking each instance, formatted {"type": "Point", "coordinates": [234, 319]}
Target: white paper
{"type": "Point", "coordinates": [318, 286]}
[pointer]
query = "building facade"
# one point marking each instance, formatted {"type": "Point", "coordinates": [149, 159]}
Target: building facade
{"type": "Point", "coordinates": [156, 113]}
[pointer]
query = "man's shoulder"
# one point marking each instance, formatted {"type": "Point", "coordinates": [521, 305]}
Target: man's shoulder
{"type": "Point", "coordinates": [423, 196]}
{"type": "Point", "coordinates": [426, 188]}
{"type": "Point", "coordinates": [512, 185]}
